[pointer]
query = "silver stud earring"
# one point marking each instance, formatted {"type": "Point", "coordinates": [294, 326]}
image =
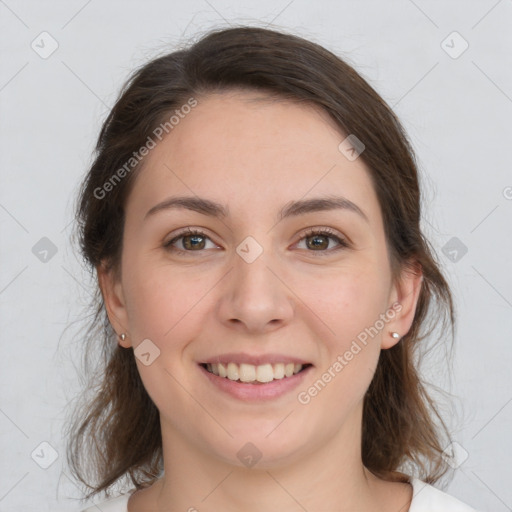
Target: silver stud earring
{"type": "Point", "coordinates": [122, 336]}
{"type": "Point", "coordinates": [395, 335]}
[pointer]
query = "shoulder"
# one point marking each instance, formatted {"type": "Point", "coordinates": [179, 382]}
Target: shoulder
{"type": "Point", "coordinates": [119, 504]}
{"type": "Point", "coordinates": [427, 498]}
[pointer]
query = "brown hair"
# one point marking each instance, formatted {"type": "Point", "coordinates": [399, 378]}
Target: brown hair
{"type": "Point", "coordinates": [116, 430]}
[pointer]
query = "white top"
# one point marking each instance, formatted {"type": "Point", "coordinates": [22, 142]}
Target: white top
{"type": "Point", "coordinates": [426, 498]}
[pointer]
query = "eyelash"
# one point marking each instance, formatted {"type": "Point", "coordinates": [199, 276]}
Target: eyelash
{"type": "Point", "coordinates": [311, 232]}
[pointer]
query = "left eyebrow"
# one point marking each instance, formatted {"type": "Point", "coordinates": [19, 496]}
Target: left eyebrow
{"type": "Point", "coordinates": [319, 204]}
{"type": "Point", "coordinates": [291, 209]}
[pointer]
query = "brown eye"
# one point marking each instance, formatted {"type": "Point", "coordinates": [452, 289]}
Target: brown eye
{"type": "Point", "coordinates": [318, 241]}
{"type": "Point", "coordinates": [191, 241]}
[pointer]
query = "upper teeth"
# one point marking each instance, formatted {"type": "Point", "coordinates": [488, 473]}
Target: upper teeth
{"type": "Point", "coordinates": [250, 373]}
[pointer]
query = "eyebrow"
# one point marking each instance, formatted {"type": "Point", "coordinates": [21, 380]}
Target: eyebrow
{"type": "Point", "coordinates": [291, 209]}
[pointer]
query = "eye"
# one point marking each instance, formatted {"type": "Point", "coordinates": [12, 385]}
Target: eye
{"type": "Point", "coordinates": [318, 239]}
{"type": "Point", "coordinates": [191, 239]}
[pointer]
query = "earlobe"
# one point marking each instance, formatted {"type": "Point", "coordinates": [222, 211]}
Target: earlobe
{"type": "Point", "coordinates": [113, 298]}
{"type": "Point", "coordinates": [405, 293]}
{"type": "Point", "coordinates": [390, 339]}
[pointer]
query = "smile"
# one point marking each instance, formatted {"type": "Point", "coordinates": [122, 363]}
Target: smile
{"type": "Point", "coordinates": [249, 373]}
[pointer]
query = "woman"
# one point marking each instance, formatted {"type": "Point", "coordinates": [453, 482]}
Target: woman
{"type": "Point", "coordinates": [253, 216]}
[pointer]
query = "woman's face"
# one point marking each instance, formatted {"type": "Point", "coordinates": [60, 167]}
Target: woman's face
{"type": "Point", "coordinates": [254, 286]}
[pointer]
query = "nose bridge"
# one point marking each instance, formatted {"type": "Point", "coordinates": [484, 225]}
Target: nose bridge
{"type": "Point", "coordinates": [254, 295]}
{"type": "Point", "coordinates": [252, 274]}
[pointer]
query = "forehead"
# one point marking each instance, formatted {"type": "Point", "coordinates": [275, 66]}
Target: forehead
{"type": "Point", "coordinates": [254, 153]}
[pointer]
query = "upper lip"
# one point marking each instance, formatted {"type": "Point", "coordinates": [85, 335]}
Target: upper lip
{"type": "Point", "coordinates": [256, 360]}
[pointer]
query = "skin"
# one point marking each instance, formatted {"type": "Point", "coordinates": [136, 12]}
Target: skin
{"type": "Point", "coordinates": [254, 155]}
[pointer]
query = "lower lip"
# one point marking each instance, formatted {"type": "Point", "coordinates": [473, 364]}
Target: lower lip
{"type": "Point", "coordinates": [256, 392]}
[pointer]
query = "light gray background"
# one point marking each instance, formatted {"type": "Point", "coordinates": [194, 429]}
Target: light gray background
{"type": "Point", "coordinates": [456, 111]}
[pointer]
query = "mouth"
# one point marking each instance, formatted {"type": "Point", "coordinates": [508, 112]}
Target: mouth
{"type": "Point", "coordinates": [251, 374]}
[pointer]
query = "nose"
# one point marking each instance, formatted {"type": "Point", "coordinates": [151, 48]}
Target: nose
{"type": "Point", "coordinates": [255, 297]}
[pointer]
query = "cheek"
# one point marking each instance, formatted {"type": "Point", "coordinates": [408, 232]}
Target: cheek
{"type": "Point", "coordinates": [165, 306]}
{"type": "Point", "coordinates": [160, 298]}
{"type": "Point", "coordinates": [331, 398]}
{"type": "Point", "coordinates": [351, 308]}
{"type": "Point", "coordinates": [348, 309]}
{"type": "Point", "coordinates": [346, 301]}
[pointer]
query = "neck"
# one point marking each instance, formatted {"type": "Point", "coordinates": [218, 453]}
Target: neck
{"type": "Point", "coordinates": [328, 476]}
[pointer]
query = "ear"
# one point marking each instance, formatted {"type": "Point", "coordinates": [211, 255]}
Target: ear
{"type": "Point", "coordinates": [404, 297]}
{"type": "Point", "coordinates": [113, 298]}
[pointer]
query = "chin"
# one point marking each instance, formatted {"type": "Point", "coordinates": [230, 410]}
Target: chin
{"type": "Point", "coordinates": [255, 448]}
